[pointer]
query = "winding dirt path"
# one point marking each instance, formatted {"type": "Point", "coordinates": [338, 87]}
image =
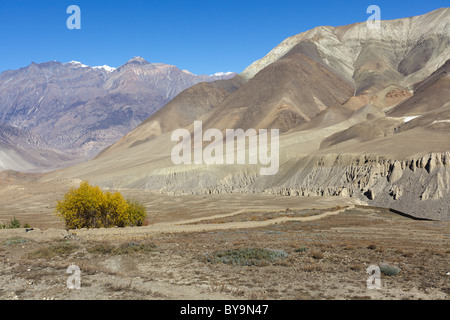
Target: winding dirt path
{"type": "Point", "coordinates": [185, 226]}
{"type": "Point", "coordinates": [166, 227]}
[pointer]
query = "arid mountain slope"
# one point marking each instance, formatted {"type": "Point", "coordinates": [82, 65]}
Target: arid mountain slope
{"type": "Point", "coordinates": [191, 104]}
{"type": "Point", "coordinates": [284, 95]}
{"type": "Point", "coordinates": [430, 95]}
{"type": "Point", "coordinates": [22, 150]}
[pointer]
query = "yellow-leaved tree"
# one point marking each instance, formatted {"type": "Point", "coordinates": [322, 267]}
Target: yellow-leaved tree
{"type": "Point", "coordinates": [89, 207]}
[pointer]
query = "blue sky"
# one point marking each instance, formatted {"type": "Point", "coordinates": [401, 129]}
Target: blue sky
{"type": "Point", "coordinates": [203, 36]}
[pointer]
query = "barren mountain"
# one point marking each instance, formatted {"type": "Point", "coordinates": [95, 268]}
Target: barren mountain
{"type": "Point", "coordinates": [188, 106]}
{"type": "Point", "coordinates": [363, 113]}
{"type": "Point", "coordinates": [79, 110]}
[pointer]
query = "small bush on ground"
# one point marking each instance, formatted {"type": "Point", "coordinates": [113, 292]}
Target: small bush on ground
{"type": "Point", "coordinates": [137, 212]}
{"type": "Point", "coordinates": [13, 224]}
{"type": "Point", "coordinates": [389, 270]}
{"type": "Point", "coordinates": [317, 255]}
{"type": "Point", "coordinates": [90, 207]}
{"type": "Point", "coordinates": [246, 257]}
{"type": "Point", "coordinates": [124, 248]}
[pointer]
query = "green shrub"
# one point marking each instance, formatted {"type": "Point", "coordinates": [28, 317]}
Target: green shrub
{"type": "Point", "coordinates": [13, 224]}
{"type": "Point", "coordinates": [246, 257]}
{"type": "Point", "coordinates": [389, 270]}
{"type": "Point", "coordinates": [124, 248]}
{"type": "Point", "coordinates": [301, 249]}
{"type": "Point", "coordinates": [89, 207]}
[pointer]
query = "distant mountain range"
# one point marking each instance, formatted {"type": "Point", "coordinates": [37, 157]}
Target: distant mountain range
{"type": "Point", "coordinates": [363, 113]}
{"type": "Point", "coordinates": [54, 114]}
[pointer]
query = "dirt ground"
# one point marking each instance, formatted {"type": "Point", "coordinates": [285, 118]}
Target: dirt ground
{"type": "Point", "coordinates": [328, 243]}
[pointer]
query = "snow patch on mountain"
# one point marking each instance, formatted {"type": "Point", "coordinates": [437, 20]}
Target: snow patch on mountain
{"type": "Point", "coordinates": [105, 67]}
{"type": "Point", "coordinates": [77, 64]}
{"type": "Point", "coordinates": [220, 74]}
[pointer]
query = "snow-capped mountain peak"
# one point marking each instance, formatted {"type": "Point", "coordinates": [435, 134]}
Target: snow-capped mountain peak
{"type": "Point", "coordinates": [220, 74]}
{"type": "Point", "coordinates": [105, 67]}
{"type": "Point", "coordinates": [77, 64]}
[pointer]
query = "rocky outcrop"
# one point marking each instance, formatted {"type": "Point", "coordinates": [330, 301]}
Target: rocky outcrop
{"type": "Point", "coordinates": [419, 186]}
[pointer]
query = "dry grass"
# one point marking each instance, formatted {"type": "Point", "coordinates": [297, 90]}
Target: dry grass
{"type": "Point", "coordinates": [129, 247]}
{"type": "Point", "coordinates": [59, 249]}
{"type": "Point", "coordinates": [317, 255]}
{"type": "Point", "coordinates": [326, 259]}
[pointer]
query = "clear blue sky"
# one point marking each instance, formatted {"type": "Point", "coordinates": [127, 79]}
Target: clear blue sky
{"type": "Point", "coordinates": [203, 36]}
